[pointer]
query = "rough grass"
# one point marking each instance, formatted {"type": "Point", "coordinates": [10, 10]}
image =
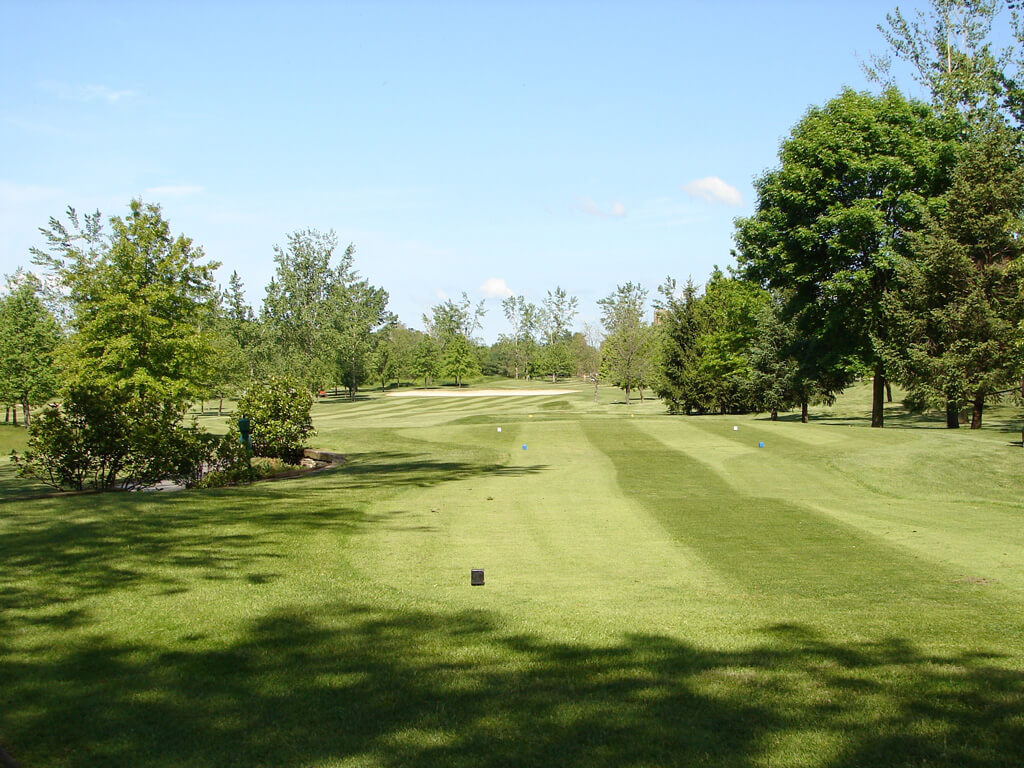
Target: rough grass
{"type": "Point", "coordinates": [660, 591]}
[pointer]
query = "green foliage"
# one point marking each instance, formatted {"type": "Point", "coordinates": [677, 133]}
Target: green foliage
{"type": "Point", "coordinates": [278, 410]}
{"type": "Point", "coordinates": [300, 306]}
{"type": "Point", "coordinates": [629, 350]}
{"type": "Point", "coordinates": [394, 348]}
{"type": "Point", "coordinates": [831, 222]}
{"type": "Point", "coordinates": [103, 440]}
{"type": "Point", "coordinates": [29, 337]}
{"type": "Point", "coordinates": [140, 302]}
{"type": "Point", "coordinates": [554, 359]}
{"type": "Point", "coordinates": [426, 359]}
{"type": "Point", "coordinates": [706, 345]}
{"type": "Point", "coordinates": [956, 305]}
{"type": "Point", "coordinates": [459, 360]}
{"type": "Point", "coordinates": [449, 319]}
{"type": "Point", "coordinates": [521, 343]}
{"type": "Point", "coordinates": [319, 318]}
{"type": "Point", "coordinates": [556, 314]}
{"type": "Point", "coordinates": [951, 51]}
{"type": "Point", "coordinates": [142, 313]}
{"type": "Point", "coordinates": [360, 309]}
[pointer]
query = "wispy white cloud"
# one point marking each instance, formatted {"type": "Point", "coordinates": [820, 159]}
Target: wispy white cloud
{"type": "Point", "coordinates": [25, 193]}
{"type": "Point", "coordinates": [615, 211]}
{"type": "Point", "coordinates": [495, 286]}
{"type": "Point", "coordinates": [86, 92]}
{"type": "Point", "coordinates": [173, 190]}
{"type": "Point", "coordinates": [714, 190]}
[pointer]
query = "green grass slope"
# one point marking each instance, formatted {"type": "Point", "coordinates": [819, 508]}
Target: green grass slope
{"type": "Point", "coordinates": [661, 591]}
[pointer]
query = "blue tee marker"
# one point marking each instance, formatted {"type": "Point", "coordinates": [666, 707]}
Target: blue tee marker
{"type": "Point", "coordinates": [524, 446]}
{"type": "Point", "coordinates": [760, 445]}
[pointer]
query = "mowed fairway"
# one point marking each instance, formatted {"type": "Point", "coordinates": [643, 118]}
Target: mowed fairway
{"type": "Point", "coordinates": [660, 591]}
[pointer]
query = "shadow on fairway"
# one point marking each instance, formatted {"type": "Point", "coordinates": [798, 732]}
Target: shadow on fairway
{"type": "Point", "coordinates": [411, 469]}
{"type": "Point", "coordinates": [358, 685]}
{"type": "Point", "coordinates": [72, 547]}
{"type": "Point", "coordinates": [897, 417]}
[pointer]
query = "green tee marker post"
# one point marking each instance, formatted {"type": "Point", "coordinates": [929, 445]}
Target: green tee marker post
{"type": "Point", "coordinates": [244, 429]}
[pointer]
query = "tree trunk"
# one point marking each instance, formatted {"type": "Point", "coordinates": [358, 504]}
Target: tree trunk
{"type": "Point", "coordinates": [878, 397]}
{"type": "Point", "coordinates": [595, 389]}
{"type": "Point", "coordinates": [979, 405]}
{"type": "Point", "coordinates": [28, 414]}
{"type": "Point", "coordinates": [888, 392]}
{"type": "Point", "coordinates": [7, 418]}
{"type": "Point", "coordinates": [803, 412]}
{"type": "Point", "coordinates": [775, 414]}
{"type": "Point", "coordinates": [14, 410]}
{"type": "Point", "coordinates": [627, 395]}
{"type": "Point", "coordinates": [220, 407]}
{"type": "Point", "coordinates": [952, 414]}
{"type": "Point", "coordinates": [202, 407]}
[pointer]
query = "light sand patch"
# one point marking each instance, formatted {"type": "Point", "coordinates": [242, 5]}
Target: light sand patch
{"type": "Point", "coordinates": [483, 392]}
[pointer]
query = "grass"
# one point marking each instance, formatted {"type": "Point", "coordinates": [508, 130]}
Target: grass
{"type": "Point", "coordinates": [660, 592]}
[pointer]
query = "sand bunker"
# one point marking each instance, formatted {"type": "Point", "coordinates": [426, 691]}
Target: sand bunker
{"type": "Point", "coordinates": [482, 392]}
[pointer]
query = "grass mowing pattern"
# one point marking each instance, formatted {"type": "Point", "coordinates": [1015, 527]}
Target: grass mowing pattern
{"type": "Point", "coordinates": [660, 593]}
{"type": "Point", "coordinates": [790, 554]}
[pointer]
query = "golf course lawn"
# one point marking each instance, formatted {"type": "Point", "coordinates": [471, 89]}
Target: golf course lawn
{"type": "Point", "coordinates": [660, 591]}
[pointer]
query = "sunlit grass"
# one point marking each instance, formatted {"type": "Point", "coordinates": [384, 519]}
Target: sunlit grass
{"type": "Point", "coordinates": [660, 591]}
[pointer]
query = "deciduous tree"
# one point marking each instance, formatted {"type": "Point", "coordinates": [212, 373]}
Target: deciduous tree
{"type": "Point", "coordinates": [852, 184]}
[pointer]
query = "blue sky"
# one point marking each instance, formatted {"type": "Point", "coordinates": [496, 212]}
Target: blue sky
{"type": "Point", "coordinates": [469, 146]}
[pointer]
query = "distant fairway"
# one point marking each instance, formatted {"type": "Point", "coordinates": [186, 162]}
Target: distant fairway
{"type": "Point", "coordinates": [660, 592]}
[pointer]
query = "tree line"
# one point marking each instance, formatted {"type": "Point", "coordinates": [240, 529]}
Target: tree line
{"type": "Point", "coordinates": [885, 244]}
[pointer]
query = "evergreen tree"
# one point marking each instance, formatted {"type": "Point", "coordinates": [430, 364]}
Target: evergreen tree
{"type": "Point", "coordinates": [957, 305]}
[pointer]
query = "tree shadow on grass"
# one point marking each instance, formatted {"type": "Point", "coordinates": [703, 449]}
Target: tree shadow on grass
{"type": "Point", "coordinates": [898, 417]}
{"type": "Point", "coordinates": [65, 548]}
{"type": "Point", "coordinates": [354, 685]}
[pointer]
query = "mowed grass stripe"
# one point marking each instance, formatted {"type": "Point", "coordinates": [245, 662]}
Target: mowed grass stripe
{"type": "Point", "coordinates": [553, 532]}
{"type": "Point", "coordinates": [788, 554]}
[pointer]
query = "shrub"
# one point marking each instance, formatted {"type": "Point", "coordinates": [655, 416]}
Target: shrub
{"type": "Point", "coordinates": [278, 412]}
{"type": "Point", "coordinates": [101, 440]}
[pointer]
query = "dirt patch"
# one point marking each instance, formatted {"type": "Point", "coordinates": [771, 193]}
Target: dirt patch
{"type": "Point", "coordinates": [981, 581]}
{"type": "Point", "coordinates": [482, 392]}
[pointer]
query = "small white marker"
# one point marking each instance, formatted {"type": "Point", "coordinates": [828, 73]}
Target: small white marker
{"type": "Point", "coordinates": [734, 429]}
{"type": "Point", "coordinates": [499, 429]}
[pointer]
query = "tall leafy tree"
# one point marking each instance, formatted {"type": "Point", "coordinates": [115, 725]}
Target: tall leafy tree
{"type": "Point", "coordinates": [555, 320]}
{"type": "Point", "coordinates": [29, 337]}
{"type": "Point", "coordinates": [426, 359]}
{"type": "Point", "coordinates": [523, 317]}
{"type": "Point", "coordinates": [557, 312]}
{"type": "Point", "coordinates": [831, 220]}
{"type": "Point", "coordinates": [360, 313]}
{"type": "Point", "coordinates": [451, 318]}
{"type": "Point", "coordinates": [300, 306]}
{"type": "Point", "coordinates": [629, 346]}
{"type": "Point", "coordinates": [459, 360]}
{"type": "Point", "coordinates": [950, 49]}
{"type": "Point", "coordinates": [141, 300]}
{"type": "Point", "coordinates": [140, 304]}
